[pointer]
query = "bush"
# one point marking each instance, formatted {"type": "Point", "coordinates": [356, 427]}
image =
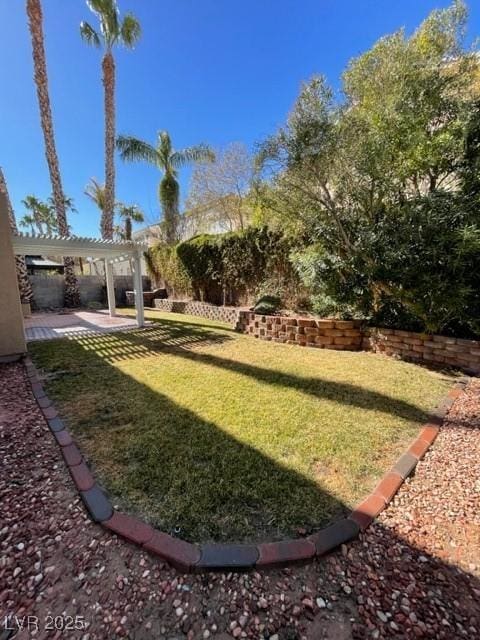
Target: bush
{"type": "Point", "coordinates": [163, 264]}
{"type": "Point", "coordinates": [238, 262]}
{"type": "Point", "coordinates": [267, 305]}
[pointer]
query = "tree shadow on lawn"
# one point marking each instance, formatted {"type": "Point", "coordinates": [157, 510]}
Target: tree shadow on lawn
{"type": "Point", "coordinates": [389, 572]}
{"type": "Point", "coordinates": [164, 461]}
{"type": "Point", "coordinates": [182, 338]}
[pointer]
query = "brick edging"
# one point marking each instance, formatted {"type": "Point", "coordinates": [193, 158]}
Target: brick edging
{"type": "Point", "coordinates": [189, 557]}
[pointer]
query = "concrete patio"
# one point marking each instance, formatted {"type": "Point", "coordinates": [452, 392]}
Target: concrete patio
{"type": "Point", "coordinates": [50, 326]}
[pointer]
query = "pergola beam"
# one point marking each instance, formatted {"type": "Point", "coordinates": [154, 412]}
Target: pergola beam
{"type": "Point", "coordinates": [107, 250]}
{"type": "Point", "coordinates": [25, 244]}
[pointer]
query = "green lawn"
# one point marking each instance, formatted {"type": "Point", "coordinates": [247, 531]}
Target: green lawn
{"type": "Point", "coordinates": [225, 437]}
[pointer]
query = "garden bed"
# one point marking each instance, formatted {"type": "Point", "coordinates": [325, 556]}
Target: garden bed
{"type": "Point", "coordinates": [215, 436]}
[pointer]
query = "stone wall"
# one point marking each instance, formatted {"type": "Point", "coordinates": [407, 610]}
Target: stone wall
{"type": "Point", "coordinates": [48, 290]}
{"type": "Point", "coordinates": [343, 335]}
{"type": "Point", "coordinates": [202, 309]}
{"type": "Point", "coordinates": [419, 347]}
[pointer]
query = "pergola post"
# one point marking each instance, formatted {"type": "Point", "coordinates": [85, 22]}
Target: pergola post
{"type": "Point", "coordinates": [110, 287]}
{"type": "Point", "coordinates": [138, 289]}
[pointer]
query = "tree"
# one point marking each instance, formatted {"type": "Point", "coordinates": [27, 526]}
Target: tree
{"type": "Point", "coordinates": [361, 182]}
{"type": "Point", "coordinates": [24, 285]}
{"type": "Point", "coordinates": [219, 198]}
{"type": "Point", "coordinates": [96, 192]}
{"type": "Point", "coordinates": [35, 22]}
{"type": "Point", "coordinates": [168, 161]}
{"type": "Point", "coordinates": [113, 31]}
{"type": "Point", "coordinates": [128, 214]}
{"type": "Point", "coordinates": [41, 216]}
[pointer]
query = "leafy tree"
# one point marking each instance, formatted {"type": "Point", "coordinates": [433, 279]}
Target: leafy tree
{"type": "Point", "coordinates": [113, 31]}
{"type": "Point", "coordinates": [168, 161]}
{"type": "Point", "coordinates": [219, 197]}
{"type": "Point", "coordinates": [375, 186]}
{"type": "Point", "coordinates": [35, 23]}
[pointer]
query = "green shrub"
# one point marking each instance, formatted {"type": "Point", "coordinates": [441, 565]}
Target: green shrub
{"type": "Point", "coordinates": [267, 305]}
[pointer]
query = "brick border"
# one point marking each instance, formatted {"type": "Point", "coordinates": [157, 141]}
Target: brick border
{"type": "Point", "coordinates": [187, 557]}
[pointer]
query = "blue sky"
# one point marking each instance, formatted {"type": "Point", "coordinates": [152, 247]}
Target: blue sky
{"type": "Point", "coordinates": [213, 71]}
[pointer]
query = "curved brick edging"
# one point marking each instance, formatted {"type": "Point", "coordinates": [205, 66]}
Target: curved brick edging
{"type": "Point", "coordinates": [188, 557]}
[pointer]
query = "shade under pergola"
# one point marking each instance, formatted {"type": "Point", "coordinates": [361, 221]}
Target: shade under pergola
{"type": "Point", "coordinates": [110, 251]}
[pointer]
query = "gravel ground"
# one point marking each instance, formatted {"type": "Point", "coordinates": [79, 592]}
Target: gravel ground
{"type": "Point", "coordinates": [415, 573]}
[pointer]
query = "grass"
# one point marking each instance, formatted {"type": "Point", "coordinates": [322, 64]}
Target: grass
{"type": "Point", "coordinates": [219, 436]}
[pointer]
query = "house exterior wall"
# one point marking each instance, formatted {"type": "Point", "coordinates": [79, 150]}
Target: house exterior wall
{"type": "Point", "coordinates": [12, 337]}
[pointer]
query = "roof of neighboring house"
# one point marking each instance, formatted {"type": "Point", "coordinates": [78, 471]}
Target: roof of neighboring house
{"type": "Point", "coordinates": [151, 230]}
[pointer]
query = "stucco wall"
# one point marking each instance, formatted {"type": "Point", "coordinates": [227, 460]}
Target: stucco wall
{"type": "Point", "coordinates": [48, 290]}
{"type": "Point", "coordinates": [12, 339]}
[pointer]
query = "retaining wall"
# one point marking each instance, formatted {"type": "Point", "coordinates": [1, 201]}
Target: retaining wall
{"type": "Point", "coordinates": [342, 335]}
{"type": "Point", "coordinates": [48, 291]}
{"type": "Point", "coordinates": [419, 347]}
{"type": "Point", "coordinates": [202, 309]}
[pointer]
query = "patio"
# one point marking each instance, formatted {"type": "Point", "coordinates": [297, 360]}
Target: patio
{"type": "Point", "coordinates": [50, 326]}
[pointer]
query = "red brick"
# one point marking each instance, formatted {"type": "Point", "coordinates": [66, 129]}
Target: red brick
{"type": "Point", "coordinates": [325, 324]}
{"type": "Point", "coordinates": [49, 413]}
{"type": "Point", "coordinates": [367, 510]}
{"type": "Point", "coordinates": [63, 437]}
{"type": "Point", "coordinates": [276, 554]}
{"type": "Point", "coordinates": [418, 448]}
{"type": "Point", "coordinates": [305, 322]}
{"type": "Point", "coordinates": [82, 477]}
{"type": "Point", "coordinates": [180, 554]}
{"type": "Point", "coordinates": [389, 485]}
{"type": "Point", "coordinates": [334, 535]}
{"type": "Point", "coordinates": [428, 433]}
{"type": "Point", "coordinates": [44, 402]}
{"type": "Point", "coordinates": [344, 324]}
{"type": "Point", "coordinates": [72, 455]}
{"type": "Point", "coordinates": [130, 528]}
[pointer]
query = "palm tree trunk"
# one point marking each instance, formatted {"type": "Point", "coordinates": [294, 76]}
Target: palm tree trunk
{"type": "Point", "coordinates": [128, 228]}
{"type": "Point", "coordinates": [35, 19]}
{"type": "Point", "coordinates": [24, 285]}
{"type": "Point", "coordinates": [108, 67]}
{"type": "Point", "coordinates": [169, 200]}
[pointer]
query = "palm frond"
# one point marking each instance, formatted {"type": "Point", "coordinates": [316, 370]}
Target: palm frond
{"type": "Point", "coordinates": [132, 211]}
{"type": "Point", "coordinates": [130, 31]}
{"type": "Point", "coordinates": [192, 154]}
{"type": "Point", "coordinates": [89, 35]}
{"type": "Point", "coordinates": [131, 149]}
{"type": "Point", "coordinates": [107, 13]}
{"type": "Point", "coordinates": [96, 192]}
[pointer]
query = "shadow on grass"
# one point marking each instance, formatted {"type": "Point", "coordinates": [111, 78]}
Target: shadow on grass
{"type": "Point", "coordinates": [181, 339]}
{"type": "Point", "coordinates": [164, 460]}
{"type": "Point", "coordinates": [390, 572]}
{"type": "Point", "coordinates": [166, 463]}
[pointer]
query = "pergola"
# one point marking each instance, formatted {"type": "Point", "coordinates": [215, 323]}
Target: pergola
{"type": "Point", "coordinates": [108, 251]}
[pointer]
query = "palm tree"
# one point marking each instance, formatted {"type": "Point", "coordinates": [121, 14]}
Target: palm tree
{"type": "Point", "coordinates": [96, 192]}
{"type": "Point", "coordinates": [112, 31]}
{"type": "Point", "coordinates": [168, 160]}
{"type": "Point", "coordinates": [41, 217]}
{"type": "Point", "coordinates": [24, 285]}
{"type": "Point", "coordinates": [35, 23]}
{"type": "Point", "coordinates": [128, 214]}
